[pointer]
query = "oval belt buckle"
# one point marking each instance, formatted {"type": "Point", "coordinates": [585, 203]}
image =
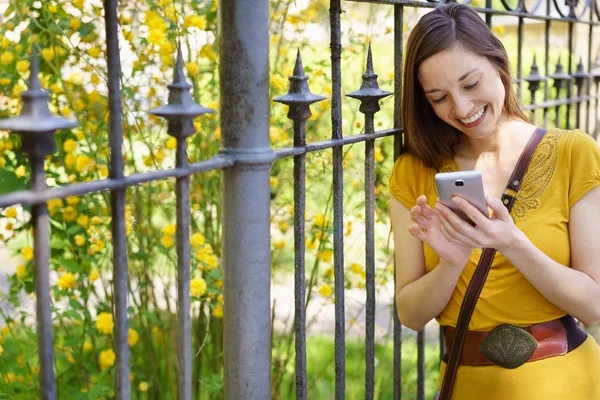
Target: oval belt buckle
{"type": "Point", "coordinates": [508, 346]}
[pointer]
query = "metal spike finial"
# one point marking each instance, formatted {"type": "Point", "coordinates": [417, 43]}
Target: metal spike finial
{"type": "Point", "coordinates": [36, 123]}
{"type": "Point", "coordinates": [534, 78]}
{"type": "Point", "coordinates": [299, 93]}
{"type": "Point", "coordinates": [369, 93]}
{"type": "Point", "coordinates": [181, 108]}
{"type": "Point", "coordinates": [580, 75]}
{"type": "Point", "coordinates": [559, 76]}
{"type": "Point", "coordinates": [595, 72]}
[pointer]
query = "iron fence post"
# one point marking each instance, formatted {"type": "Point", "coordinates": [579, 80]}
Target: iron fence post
{"type": "Point", "coordinates": [244, 80]}
{"type": "Point", "coordinates": [180, 112]}
{"type": "Point", "coordinates": [36, 125]}
{"type": "Point", "coordinates": [299, 98]}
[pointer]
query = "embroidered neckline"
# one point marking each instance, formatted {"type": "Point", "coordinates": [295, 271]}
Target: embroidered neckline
{"type": "Point", "coordinates": [537, 178]}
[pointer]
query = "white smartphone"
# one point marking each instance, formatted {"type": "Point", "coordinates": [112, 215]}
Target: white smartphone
{"type": "Point", "coordinates": [466, 184]}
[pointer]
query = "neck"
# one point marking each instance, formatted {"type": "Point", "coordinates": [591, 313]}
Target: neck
{"type": "Point", "coordinates": [500, 144]}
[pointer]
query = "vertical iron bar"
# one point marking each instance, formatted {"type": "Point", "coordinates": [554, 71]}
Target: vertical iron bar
{"type": "Point", "coordinates": [122, 389]}
{"type": "Point", "coordinates": [421, 364]}
{"type": "Point", "coordinates": [338, 200]}
{"type": "Point", "coordinates": [398, 70]}
{"type": "Point", "coordinates": [520, 57]}
{"type": "Point", "coordinates": [184, 325]}
{"type": "Point", "coordinates": [299, 259]}
{"type": "Point", "coordinates": [370, 258]}
{"type": "Point", "coordinates": [589, 69]}
{"type": "Point", "coordinates": [244, 80]}
{"type": "Point", "coordinates": [546, 62]}
{"type": "Point", "coordinates": [41, 233]}
{"type": "Point", "coordinates": [570, 72]}
{"type": "Point", "coordinates": [488, 16]}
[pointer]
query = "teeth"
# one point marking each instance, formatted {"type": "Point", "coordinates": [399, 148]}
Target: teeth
{"type": "Point", "coordinates": [474, 117]}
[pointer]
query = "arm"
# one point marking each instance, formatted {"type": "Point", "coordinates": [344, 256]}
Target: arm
{"type": "Point", "coordinates": [575, 290]}
{"type": "Point", "coordinates": [420, 296]}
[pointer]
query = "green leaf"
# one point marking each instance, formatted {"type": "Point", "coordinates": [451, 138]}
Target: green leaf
{"type": "Point", "coordinates": [9, 182]}
{"type": "Point", "coordinates": [74, 229]}
{"type": "Point", "coordinates": [75, 305]}
{"type": "Point", "coordinates": [58, 244]}
{"type": "Point", "coordinates": [58, 225]}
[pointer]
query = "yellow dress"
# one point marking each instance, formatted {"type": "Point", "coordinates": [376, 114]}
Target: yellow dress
{"type": "Point", "coordinates": [564, 167]}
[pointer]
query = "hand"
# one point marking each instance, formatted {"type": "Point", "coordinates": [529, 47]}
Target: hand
{"type": "Point", "coordinates": [498, 232]}
{"type": "Point", "coordinates": [428, 228]}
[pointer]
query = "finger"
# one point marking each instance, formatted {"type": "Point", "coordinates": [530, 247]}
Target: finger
{"type": "Point", "coordinates": [428, 211]}
{"type": "Point", "coordinates": [416, 231]}
{"type": "Point", "coordinates": [472, 212]}
{"type": "Point", "coordinates": [456, 226]}
{"type": "Point", "coordinates": [421, 200]}
{"type": "Point", "coordinates": [499, 210]}
{"type": "Point", "coordinates": [455, 237]}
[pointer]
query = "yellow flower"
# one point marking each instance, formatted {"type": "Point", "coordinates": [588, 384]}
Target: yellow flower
{"type": "Point", "coordinates": [274, 182]}
{"type": "Point", "coordinates": [20, 171]}
{"type": "Point", "coordinates": [79, 240]}
{"type": "Point", "coordinates": [197, 287]}
{"type": "Point", "coordinates": [52, 8]}
{"type": "Point", "coordinates": [133, 337]}
{"type": "Point", "coordinates": [87, 346]}
{"type": "Point", "coordinates": [199, 21]}
{"type": "Point", "coordinates": [197, 239]}
{"type": "Point", "coordinates": [329, 272]}
{"type": "Point", "coordinates": [67, 281]}
{"type": "Point", "coordinates": [96, 220]}
{"type": "Point", "coordinates": [10, 212]}
{"type": "Point", "coordinates": [94, 51]}
{"type": "Point", "coordinates": [320, 220]}
{"type": "Point", "coordinates": [192, 68]}
{"type": "Point", "coordinates": [283, 226]}
{"type": "Point", "coordinates": [171, 143]}
{"type": "Point", "coordinates": [5, 81]}
{"type": "Point", "coordinates": [48, 54]}
{"type": "Point", "coordinates": [143, 386]}
{"type": "Point", "coordinates": [72, 200]}
{"type": "Point", "coordinates": [70, 214]}
{"type": "Point", "coordinates": [84, 164]}
{"type": "Point", "coordinates": [167, 241]}
{"type": "Point", "coordinates": [106, 359]}
{"type": "Point", "coordinates": [325, 255]}
{"type": "Point", "coordinates": [1, 350]}
{"type": "Point", "coordinates": [75, 23]}
{"type": "Point", "coordinates": [69, 145]}
{"type": "Point", "coordinates": [279, 244]}
{"type": "Point", "coordinates": [7, 58]}
{"type": "Point", "coordinates": [94, 275]}
{"type": "Point", "coordinates": [325, 290]}
{"type": "Point", "coordinates": [379, 157]}
{"type": "Point", "coordinates": [79, 4]}
{"type": "Point", "coordinates": [21, 271]}
{"type": "Point", "coordinates": [168, 230]}
{"type": "Point", "coordinates": [54, 205]}
{"type": "Point", "coordinates": [22, 66]}
{"type": "Point", "coordinates": [79, 105]}
{"type": "Point", "coordinates": [83, 220]}
{"type": "Point", "coordinates": [218, 311]}
{"type": "Point", "coordinates": [27, 253]}
{"type": "Point", "coordinates": [104, 323]}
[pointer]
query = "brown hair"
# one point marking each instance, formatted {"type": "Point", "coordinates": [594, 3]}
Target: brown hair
{"type": "Point", "coordinates": [449, 25]}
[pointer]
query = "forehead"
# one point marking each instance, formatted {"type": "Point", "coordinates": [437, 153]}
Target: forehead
{"type": "Point", "coordinates": [447, 66]}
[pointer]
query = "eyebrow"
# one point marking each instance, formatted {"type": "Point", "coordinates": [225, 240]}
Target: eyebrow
{"type": "Point", "coordinates": [462, 78]}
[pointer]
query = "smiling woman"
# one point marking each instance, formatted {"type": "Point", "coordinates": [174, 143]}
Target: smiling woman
{"type": "Point", "coordinates": [461, 113]}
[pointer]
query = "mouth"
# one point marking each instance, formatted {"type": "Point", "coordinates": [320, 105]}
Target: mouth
{"type": "Point", "coordinates": [475, 119]}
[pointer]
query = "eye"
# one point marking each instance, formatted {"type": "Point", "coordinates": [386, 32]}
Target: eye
{"type": "Point", "coordinates": [472, 85]}
{"type": "Point", "coordinates": [438, 101]}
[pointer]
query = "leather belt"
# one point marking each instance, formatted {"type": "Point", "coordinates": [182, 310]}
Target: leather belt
{"type": "Point", "coordinates": [554, 338]}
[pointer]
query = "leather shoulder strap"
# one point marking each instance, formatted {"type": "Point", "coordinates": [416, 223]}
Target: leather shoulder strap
{"type": "Point", "coordinates": [483, 267]}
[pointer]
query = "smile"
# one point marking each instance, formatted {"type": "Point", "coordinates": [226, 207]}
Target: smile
{"type": "Point", "coordinates": [475, 118]}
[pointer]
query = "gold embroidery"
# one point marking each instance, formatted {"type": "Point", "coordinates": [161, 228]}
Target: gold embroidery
{"type": "Point", "coordinates": [538, 176]}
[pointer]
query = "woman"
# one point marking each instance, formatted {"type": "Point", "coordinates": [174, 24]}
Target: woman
{"type": "Point", "coordinates": [461, 113]}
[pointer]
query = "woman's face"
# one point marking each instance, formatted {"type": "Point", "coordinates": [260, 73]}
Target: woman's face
{"type": "Point", "coordinates": [464, 90]}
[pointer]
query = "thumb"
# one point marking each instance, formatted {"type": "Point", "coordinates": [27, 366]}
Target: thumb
{"type": "Point", "coordinates": [500, 211]}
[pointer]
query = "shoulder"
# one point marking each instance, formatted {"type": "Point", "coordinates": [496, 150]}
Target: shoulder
{"type": "Point", "coordinates": [409, 178]}
{"type": "Point", "coordinates": [573, 139]}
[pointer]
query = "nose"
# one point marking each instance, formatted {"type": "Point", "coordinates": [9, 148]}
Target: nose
{"type": "Point", "coordinates": [462, 106]}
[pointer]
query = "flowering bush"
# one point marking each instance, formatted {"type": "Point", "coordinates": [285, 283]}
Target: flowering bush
{"type": "Point", "coordinates": [69, 37]}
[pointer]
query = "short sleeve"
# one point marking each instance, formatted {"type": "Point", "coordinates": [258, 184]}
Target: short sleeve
{"type": "Point", "coordinates": [409, 179]}
{"type": "Point", "coordinates": [584, 171]}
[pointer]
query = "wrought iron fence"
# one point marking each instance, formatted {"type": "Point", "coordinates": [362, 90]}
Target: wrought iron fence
{"type": "Point", "coordinates": [245, 159]}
